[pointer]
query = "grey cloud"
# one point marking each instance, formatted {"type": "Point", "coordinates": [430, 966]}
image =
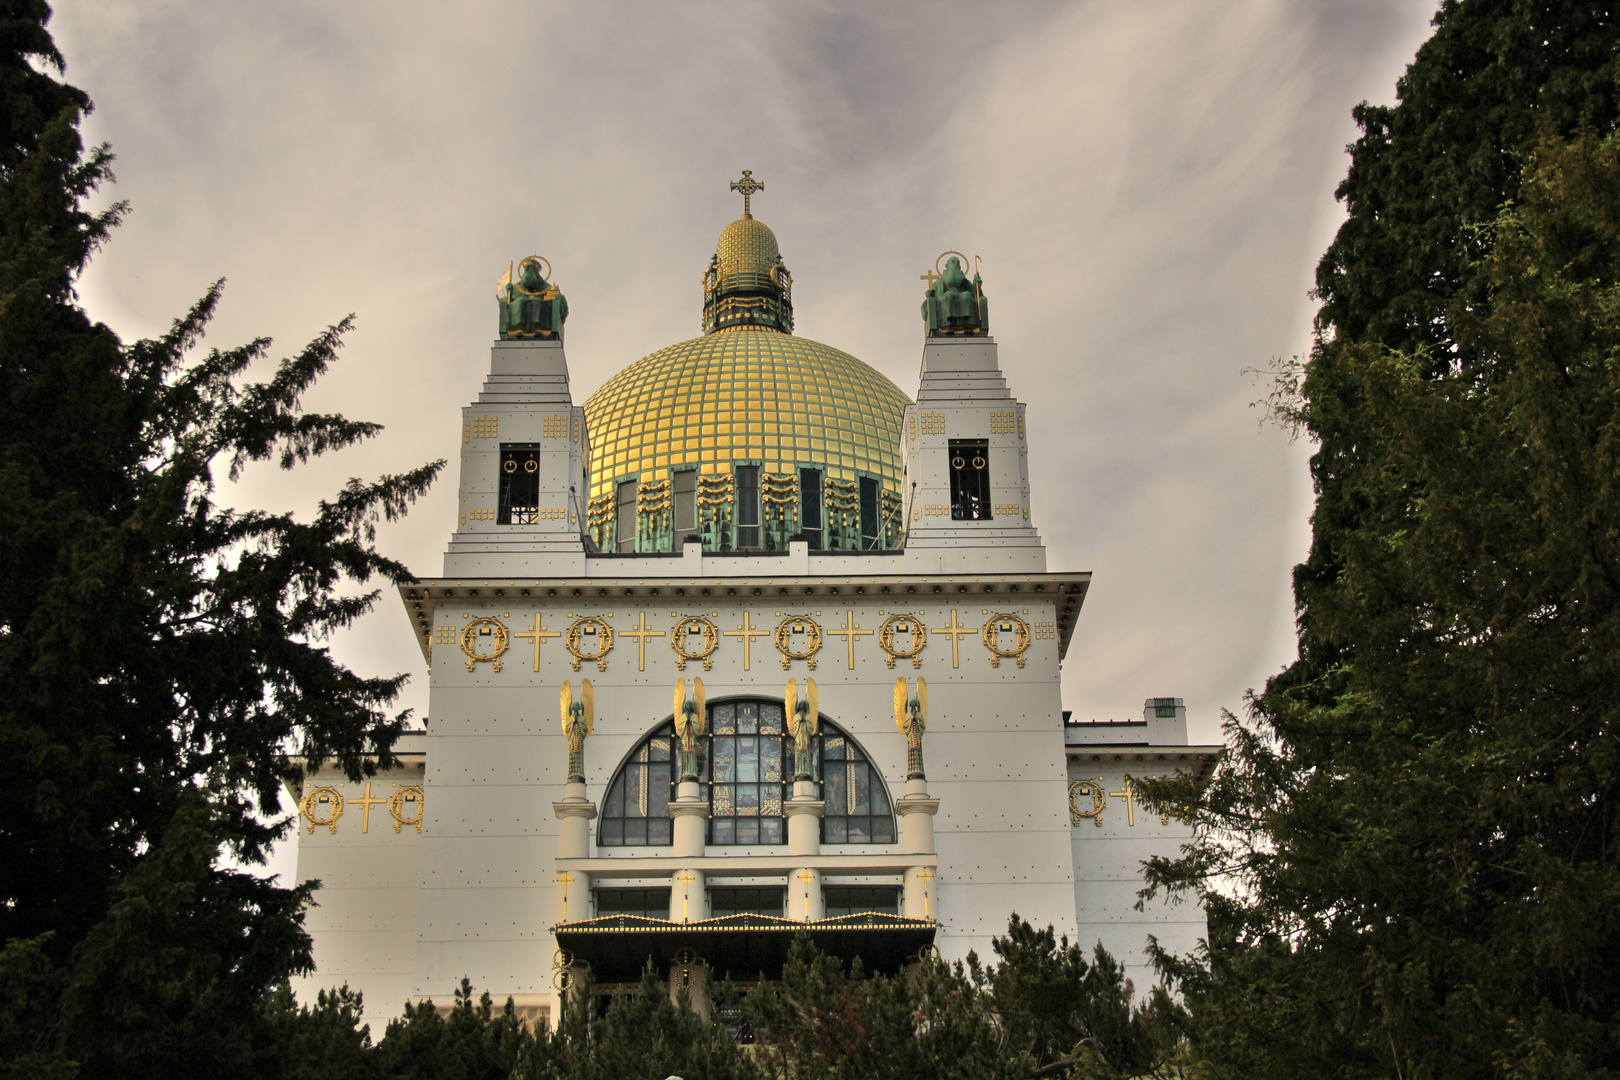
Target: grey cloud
{"type": "Point", "coordinates": [1148, 184]}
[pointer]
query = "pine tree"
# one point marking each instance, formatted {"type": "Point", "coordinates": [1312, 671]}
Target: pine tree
{"type": "Point", "coordinates": [159, 654]}
{"type": "Point", "coordinates": [1409, 855]}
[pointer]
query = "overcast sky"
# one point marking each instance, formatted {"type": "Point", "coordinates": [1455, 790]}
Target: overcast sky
{"type": "Point", "coordinates": [1149, 185]}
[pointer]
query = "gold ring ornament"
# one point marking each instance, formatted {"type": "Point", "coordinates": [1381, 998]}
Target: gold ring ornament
{"type": "Point", "coordinates": [489, 632]}
{"type": "Point", "coordinates": [941, 259]}
{"type": "Point", "coordinates": [404, 800]}
{"type": "Point", "coordinates": [796, 624]}
{"type": "Point", "coordinates": [589, 631]}
{"type": "Point", "coordinates": [537, 260]}
{"type": "Point", "coordinates": [327, 800]}
{"type": "Point", "coordinates": [1006, 624]}
{"type": "Point", "coordinates": [694, 626]}
{"type": "Point", "coordinates": [900, 624]}
{"type": "Point", "coordinates": [1092, 789]}
{"type": "Point", "coordinates": [562, 970]}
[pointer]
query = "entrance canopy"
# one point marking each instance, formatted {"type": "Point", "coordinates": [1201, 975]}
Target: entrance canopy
{"type": "Point", "coordinates": [617, 947]}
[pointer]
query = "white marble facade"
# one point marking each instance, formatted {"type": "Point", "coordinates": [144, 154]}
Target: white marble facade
{"type": "Point", "coordinates": [476, 891]}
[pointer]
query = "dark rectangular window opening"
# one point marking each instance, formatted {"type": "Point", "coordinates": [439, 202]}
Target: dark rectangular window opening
{"type": "Point", "coordinates": [749, 900]}
{"type": "Point", "coordinates": [519, 499]}
{"type": "Point", "coordinates": [1164, 707]}
{"type": "Point", "coordinates": [748, 506]}
{"type": "Point", "coordinates": [648, 903]}
{"type": "Point", "coordinates": [810, 507]}
{"type": "Point", "coordinates": [856, 899]}
{"type": "Point", "coordinates": [970, 479]}
{"type": "Point", "coordinates": [625, 522]}
{"type": "Point", "coordinates": [686, 516]}
{"type": "Point", "coordinates": [869, 513]}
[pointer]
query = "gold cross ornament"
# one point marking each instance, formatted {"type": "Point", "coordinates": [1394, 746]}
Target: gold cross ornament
{"type": "Point", "coordinates": [641, 632]}
{"type": "Point", "coordinates": [367, 802]}
{"type": "Point", "coordinates": [807, 876]}
{"type": "Point", "coordinates": [565, 879]}
{"type": "Point", "coordinates": [686, 879]}
{"type": "Point", "coordinates": [747, 185]}
{"type": "Point", "coordinates": [1129, 795]}
{"type": "Point", "coordinates": [538, 634]}
{"type": "Point", "coordinates": [955, 631]}
{"type": "Point", "coordinates": [849, 632]}
{"type": "Point", "coordinates": [925, 875]}
{"type": "Point", "coordinates": [748, 632]}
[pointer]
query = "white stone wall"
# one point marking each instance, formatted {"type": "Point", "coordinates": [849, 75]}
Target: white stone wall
{"type": "Point", "coordinates": [994, 753]}
{"type": "Point", "coordinates": [1108, 851]}
{"type": "Point", "coordinates": [365, 918]}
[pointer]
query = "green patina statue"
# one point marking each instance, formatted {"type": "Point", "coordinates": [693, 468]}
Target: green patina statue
{"type": "Point", "coordinates": [954, 305]}
{"type": "Point", "coordinates": [530, 306]}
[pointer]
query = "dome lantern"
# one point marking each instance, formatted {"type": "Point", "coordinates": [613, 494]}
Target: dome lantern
{"type": "Point", "coordinates": [746, 284]}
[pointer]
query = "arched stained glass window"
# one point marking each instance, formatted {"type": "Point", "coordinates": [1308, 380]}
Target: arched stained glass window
{"type": "Point", "coordinates": [636, 811]}
{"type": "Point", "coordinates": [745, 768]}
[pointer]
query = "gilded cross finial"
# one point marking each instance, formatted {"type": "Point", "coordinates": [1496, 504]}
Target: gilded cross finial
{"type": "Point", "coordinates": [747, 185]}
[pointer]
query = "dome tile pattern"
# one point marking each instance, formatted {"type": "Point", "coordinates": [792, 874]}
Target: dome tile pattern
{"type": "Point", "coordinates": [745, 395]}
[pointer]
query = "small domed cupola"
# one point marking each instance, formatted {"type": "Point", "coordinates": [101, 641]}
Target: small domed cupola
{"type": "Point", "coordinates": [746, 284]}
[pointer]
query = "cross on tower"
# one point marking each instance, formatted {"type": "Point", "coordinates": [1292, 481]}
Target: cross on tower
{"type": "Point", "coordinates": [747, 185]}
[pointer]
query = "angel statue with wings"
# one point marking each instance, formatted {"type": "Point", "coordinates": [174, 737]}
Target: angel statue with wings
{"type": "Point", "coordinates": [577, 720]}
{"type": "Point", "coordinates": [802, 716]}
{"type": "Point", "coordinates": [911, 717]}
{"type": "Point", "coordinates": [690, 714]}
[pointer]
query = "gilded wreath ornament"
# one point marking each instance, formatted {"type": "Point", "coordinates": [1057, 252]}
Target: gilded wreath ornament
{"type": "Point", "coordinates": [498, 636]}
{"type": "Point", "coordinates": [577, 634]}
{"type": "Point", "coordinates": [396, 807]}
{"type": "Point", "coordinates": [997, 625]}
{"type": "Point", "coordinates": [919, 638]}
{"type": "Point", "coordinates": [562, 970]}
{"type": "Point", "coordinates": [784, 640]}
{"type": "Point", "coordinates": [705, 653]}
{"type": "Point", "coordinates": [1095, 791]}
{"type": "Point", "coordinates": [329, 797]}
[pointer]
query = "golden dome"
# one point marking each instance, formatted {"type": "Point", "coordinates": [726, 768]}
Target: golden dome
{"type": "Point", "coordinates": [746, 246]}
{"type": "Point", "coordinates": [746, 396]}
{"type": "Point", "coordinates": [746, 436]}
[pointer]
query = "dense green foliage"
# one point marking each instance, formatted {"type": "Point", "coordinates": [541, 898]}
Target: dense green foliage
{"type": "Point", "coordinates": [1041, 1010]}
{"type": "Point", "coordinates": [1410, 853]}
{"type": "Point", "coordinates": [159, 654]}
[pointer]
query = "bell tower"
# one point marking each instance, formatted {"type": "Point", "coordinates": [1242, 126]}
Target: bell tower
{"type": "Point", "coordinates": [524, 446]}
{"type": "Point", "coordinates": [965, 442]}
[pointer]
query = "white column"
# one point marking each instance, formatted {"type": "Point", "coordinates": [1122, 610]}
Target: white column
{"type": "Point", "coordinates": [917, 812]}
{"type": "Point", "coordinates": [575, 811]}
{"type": "Point", "coordinates": [803, 813]}
{"type": "Point", "coordinates": [691, 816]}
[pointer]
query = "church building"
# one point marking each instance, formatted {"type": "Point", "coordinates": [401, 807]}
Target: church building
{"type": "Point", "coordinates": [752, 644]}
